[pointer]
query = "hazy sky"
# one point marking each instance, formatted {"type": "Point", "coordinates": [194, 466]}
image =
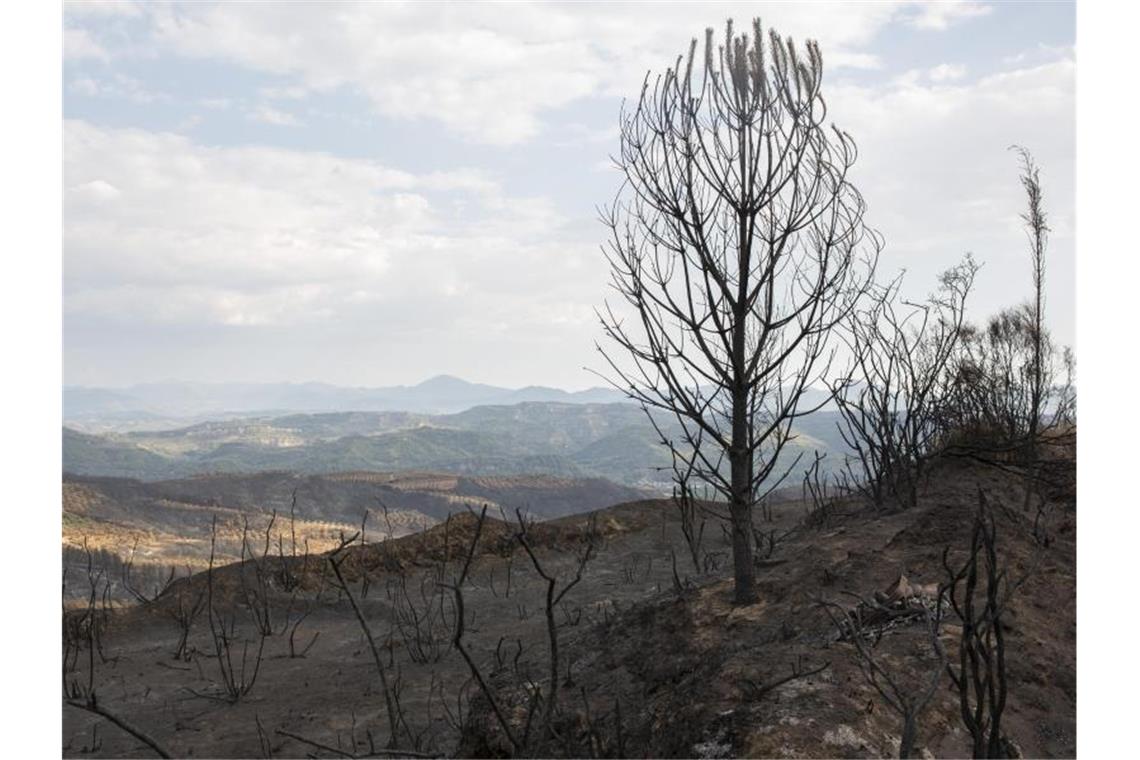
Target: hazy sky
{"type": "Point", "coordinates": [373, 194]}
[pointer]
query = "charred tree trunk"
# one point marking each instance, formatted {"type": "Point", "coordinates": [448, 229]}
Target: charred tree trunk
{"type": "Point", "coordinates": [741, 517]}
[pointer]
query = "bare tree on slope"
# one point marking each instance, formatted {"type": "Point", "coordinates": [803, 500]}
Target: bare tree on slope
{"type": "Point", "coordinates": [737, 244]}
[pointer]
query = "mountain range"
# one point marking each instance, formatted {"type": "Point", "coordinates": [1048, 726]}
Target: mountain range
{"type": "Point", "coordinates": [170, 404]}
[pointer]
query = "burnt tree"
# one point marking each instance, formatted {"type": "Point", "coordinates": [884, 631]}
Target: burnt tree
{"type": "Point", "coordinates": [980, 592]}
{"type": "Point", "coordinates": [1037, 232]}
{"type": "Point", "coordinates": [891, 403]}
{"type": "Point", "coordinates": [736, 244]}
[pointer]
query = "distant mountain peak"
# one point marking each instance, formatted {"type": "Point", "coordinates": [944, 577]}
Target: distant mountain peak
{"type": "Point", "coordinates": [444, 381]}
{"type": "Point", "coordinates": [180, 403]}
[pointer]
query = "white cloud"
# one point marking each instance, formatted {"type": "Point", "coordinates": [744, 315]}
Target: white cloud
{"type": "Point", "coordinates": [489, 73]}
{"type": "Point", "coordinates": [116, 86]}
{"type": "Point", "coordinates": [199, 235]}
{"type": "Point", "coordinates": [215, 104]}
{"type": "Point", "coordinates": [269, 115]}
{"type": "Point", "coordinates": [285, 93]}
{"type": "Point", "coordinates": [1040, 53]}
{"type": "Point", "coordinates": [161, 230]}
{"type": "Point", "coordinates": [947, 72]}
{"type": "Point", "coordinates": [79, 44]}
{"type": "Point", "coordinates": [97, 190]}
{"type": "Point", "coordinates": [102, 8]}
{"type": "Point", "coordinates": [939, 180]}
{"type": "Point", "coordinates": [190, 122]}
{"type": "Point", "coordinates": [942, 14]}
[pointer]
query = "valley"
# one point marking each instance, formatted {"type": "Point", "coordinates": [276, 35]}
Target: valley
{"type": "Point", "coordinates": [171, 519]}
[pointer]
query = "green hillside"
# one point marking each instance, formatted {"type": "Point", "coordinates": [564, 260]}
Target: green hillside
{"type": "Point", "coordinates": [612, 441]}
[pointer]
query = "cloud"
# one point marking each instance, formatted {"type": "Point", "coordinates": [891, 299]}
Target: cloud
{"type": "Point", "coordinates": [294, 92]}
{"type": "Point", "coordinates": [97, 191]}
{"type": "Point", "coordinates": [944, 13]}
{"type": "Point", "coordinates": [268, 115]}
{"type": "Point", "coordinates": [458, 269]}
{"type": "Point", "coordinates": [215, 104]}
{"type": "Point", "coordinates": [78, 44]}
{"type": "Point", "coordinates": [939, 180]}
{"type": "Point", "coordinates": [119, 86]}
{"type": "Point", "coordinates": [947, 72]}
{"type": "Point", "coordinates": [1040, 53]}
{"type": "Point", "coordinates": [103, 8]}
{"type": "Point", "coordinates": [162, 230]}
{"type": "Point", "coordinates": [492, 73]}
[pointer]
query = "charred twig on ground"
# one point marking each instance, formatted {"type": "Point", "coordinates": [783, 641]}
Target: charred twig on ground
{"type": "Point", "coordinates": [372, 752]}
{"type": "Point", "coordinates": [91, 705]}
{"type": "Point", "coordinates": [754, 691]}
{"type": "Point", "coordinates": [263, 739]}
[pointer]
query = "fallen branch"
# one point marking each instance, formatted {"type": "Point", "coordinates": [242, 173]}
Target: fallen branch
{"type": "Point", "coordinates": [92, 706]}
{"type": "Point", "coordinates": [755, 691]}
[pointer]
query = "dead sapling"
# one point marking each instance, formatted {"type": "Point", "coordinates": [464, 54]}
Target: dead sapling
{"type": "Point", "coordinates": [892, 404]}
{"type": "Point", "coordinates": [455, 716]}
{"type": "Point", "coordinates": [141, 595]}
{"type": "Point", "coordinates": [424, 625]}
{"type": "Point", "coordinates": [84, 628]}
{"type": "Point", "coordinates": [907, 697]}
{"type": "Point", "coordinates": [598, 743]}
{"type": "Point", "coordinates": [508, 565]}
{"type": "Point", "coordinates": [765, 546]}
{"type": "Point", "coordinates": [256, 591]}
{"type": "Point", "coordinates": [819, 495]}
{"type": "Point", "coordinates": [554, 596]}
{"type": "Point", "coordinates": [83, 695]}
{"type": "Point", "coordinates": [292, 581]}
{"type": "Point", "coordinates": [189, 601]}
{"type": "Point", "coordinates": [501, 658]}
{"type": "Point", "coordinates": [303, 614]}
{"type": "Point", "coordinates": [456, 587]}
{"type": "Point", "coordinates": [636, 568]}
{"type": "Point", "coordinates": [396, 728]}
{"type": "Point", "coordinates": [980, 591]}
{"type": "Point", "coordinates": [1041, 521]}
{"type": "Point", "coordinates": [287, 577]}
{"type": "Point", "coordinates": [688, 509]}
{"type": "Point", "coordinates": [238, 673]}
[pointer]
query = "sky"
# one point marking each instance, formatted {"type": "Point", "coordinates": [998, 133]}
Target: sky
{"type": "Point", "coordinates": [373, 194]}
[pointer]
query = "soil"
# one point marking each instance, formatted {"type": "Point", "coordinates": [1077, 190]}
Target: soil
{"type": "Point", "coordinates": [647, 668]}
